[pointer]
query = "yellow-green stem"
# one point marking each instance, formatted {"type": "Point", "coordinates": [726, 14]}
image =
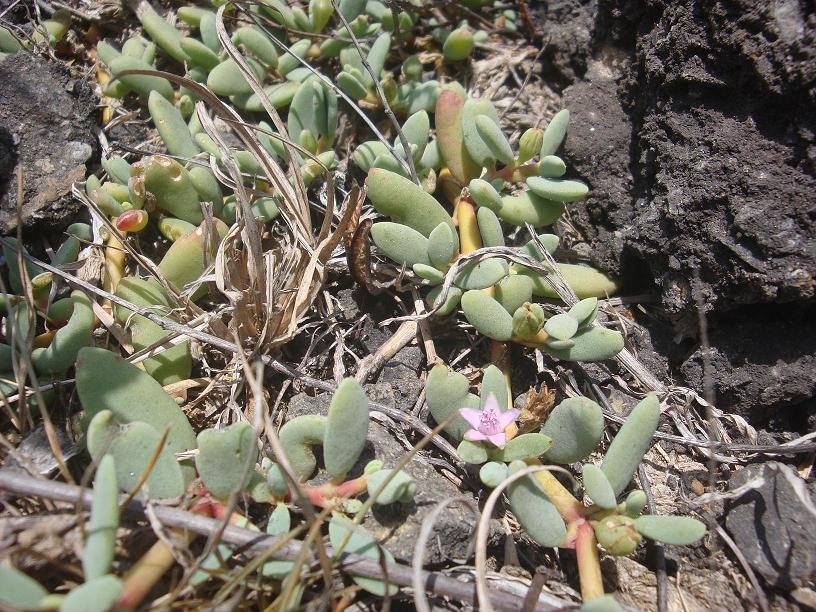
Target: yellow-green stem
{"type": "Point", "coordinates": [589, 565]}
{"type": "Point", "coordinates": [570, 509]}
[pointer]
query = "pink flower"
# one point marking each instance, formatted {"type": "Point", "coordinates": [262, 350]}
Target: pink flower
{"type": "Point", "coordinates": [488, 424]}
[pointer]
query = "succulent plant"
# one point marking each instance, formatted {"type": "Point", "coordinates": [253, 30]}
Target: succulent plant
{"type": "Point", "coordinates": [475, 165]}
{"type": "Point", "coordinates": [342, 435]}
{"type": "Point", "coordinates": [571, 433]}
{"type": "Point", "coordinates": [126, 417]}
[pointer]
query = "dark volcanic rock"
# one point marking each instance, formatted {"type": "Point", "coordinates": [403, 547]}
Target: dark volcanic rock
{"type": "Point", "coordinates": [693, 124]}
{"type": "Point", "coordinates": [710, 130]}
{"type": "Point", "coordinates": [598, 147]}
{"type": "Point", "coordinates": [397, 526]}
{"type": "Point", "coordinates": [762, 366]}
{"type": "Point", "coordinates": [772, 524]}
{"type": "Point", "coordinates": [566, 28]}
{"type": "Point", "coordinates": [48, 116]}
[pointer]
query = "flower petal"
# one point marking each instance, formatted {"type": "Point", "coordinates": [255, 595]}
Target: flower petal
{"type": "Point", "coordinates": [507, 417]}
{"type": "Point", "coordinates": [472, 416]}
{"type": "Point", "coordinates": [474, 435]}
{"type": "Point", "coordinates": [491, 403]}
{"type": "Point", "coordinates": [498, 439]}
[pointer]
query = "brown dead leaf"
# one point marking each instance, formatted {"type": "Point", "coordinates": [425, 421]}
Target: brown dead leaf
{"type": "Point", "coordinates": [538, 403]}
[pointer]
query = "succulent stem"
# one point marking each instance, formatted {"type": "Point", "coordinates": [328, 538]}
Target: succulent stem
{"type": "Point", "coordinates": [538, 342]}
{"type": "Point", "coordinates": [155, 563]}
{"type": "Point", "coordinates": [589, 565]}
{"type": "Point", "coordinates": [114, 266]}
{"type": "Point", "coordinates": [570, 509]}
{"type": "Point", "coordinates": [144, 575]}
{"type": "Point", "coordinates": [469, 237]}
{"type": "Point", "coordinates": [326, 495]}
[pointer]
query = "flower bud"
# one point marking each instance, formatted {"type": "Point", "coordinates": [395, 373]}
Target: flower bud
{"type": "Point", "coordinates": [617, 534]}
{"type": "Point", "coordinates": [131, 221]}
{"type": "Point", "coordinates": [527, 321]}
{"type": "Point", "coordinates": [530, 144]}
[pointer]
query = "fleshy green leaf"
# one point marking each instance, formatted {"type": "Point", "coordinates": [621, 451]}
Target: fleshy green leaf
{"type": "Point", "coordinates": [552, 166]}
{"type": "Point", "coordinates": [591, 344]}
{"type": "Point", "coordinates": [405, 202]}
{"type": "Point", "coordinates": [401, 243]}
{"type": "Point", "coordinates": [482, 274]}
{"type": "Point", "coordinates": [171, 126]}
{"type": "Point", "coordinates": [97, 595]}
{"type": "Point", "coordinates": [557, 190]}
{"type": "Point", "coordinates": [598, 487]}
{"type": "Point", "coordinates": [634, 503]}
{"type": "Point", "coordinates": [346, 428]}
{"type": "Point", "coordinates": [446, 392]}
{"type": "Point", "coordinates": [633, 440]}
{"type": "Point", "coordinates": [583, 280]}
{"type": "Point", "coordinates": [524, 446]}
{"type": "Point", "coordinates": [448, 120]}
{"type": "Point", "coordinates": [472, 452]}
{"type": "Point", "coordinates": [678, 530]}
{"type": "Point", "coordinates": [226, 79]}
{"type": "Point", "coordinates": [496, 142]}
{"type": "Point", "coordinates": [361, 543]}
{"type": "Point", "coordinates": [428, 273]}
{"type": "Point", "coordinates": [484, 194]}
{"type": "Point", "coordinates": [575, 427]}
{"type": "Point", "coordinates": [100, 532]}
{"type": "Point", "coordinates": [555, 132]}
{"type": "Point", "coordinates": [17, 590]}
{"type": "Point", "coordinates": [297, 438]}
{"type": "Point", "coordinates": [400, 488]}
{"type": "Point", "coordinates": [527, 207]}
{"type": "Point", "coordinates": [105, 381]}
{"type": "Point", "coordinates": [489, 228]}
{"type": "Point", "coordinates": [493, 473]}
{"type": "Point", "coordinates": [512, 291]}
{"type": "Point", "coordinates": [443, 244]}
{"type": "Point", "coordinates": [585, 311]}
{"type": "Point", "coordinates": [417, 129]}
{"type": "Point", "coordinates": [458, 45]}
{"type": "Point", "coordinates": [479, 151]}
{"type": "Point", "coordinates": [561, 326]}
{"type": "Point", "coordinates": [535, 512]}
{"type": "Point", "coordinates": [604, 603]}
{"type": "Point", "coordinates": [451, 302]}
{"type": "Point", "coordinates": [494, 383]}
{"type": "Point", "coordinates": [487, 315]}
{"type": "Point", "coordinates": [225, 456]}
{"type": "Point", "coordinates": [279, 524]}
{"type": "Point", "coordinates": [172, 188]}
{"type": "Point", "coordinates": [530, 144]}
{"type": "Point", "coordinates": [132, 445]}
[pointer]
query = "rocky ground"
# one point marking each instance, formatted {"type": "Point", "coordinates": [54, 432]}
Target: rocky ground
{"type": "Point", "coordinates": [694, 125]}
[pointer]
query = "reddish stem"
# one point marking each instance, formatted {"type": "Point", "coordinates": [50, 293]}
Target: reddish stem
{"type": "Point", "coordinates": [327, 495]}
